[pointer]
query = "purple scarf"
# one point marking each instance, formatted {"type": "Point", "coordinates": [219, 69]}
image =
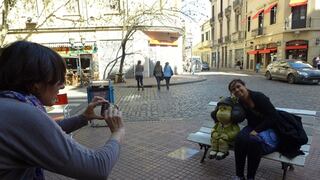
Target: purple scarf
{"type": "Point", "coordinates": [34, 101]}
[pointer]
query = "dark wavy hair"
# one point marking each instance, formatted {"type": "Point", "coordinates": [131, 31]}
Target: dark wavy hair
{"type": "Point", "coordinates": [23, 63]}
{"type": "Point", "coordinates": [234, 81]}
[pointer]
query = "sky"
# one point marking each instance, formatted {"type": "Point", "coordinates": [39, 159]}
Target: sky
{"type": "Point", "coordinates": [198, 11]}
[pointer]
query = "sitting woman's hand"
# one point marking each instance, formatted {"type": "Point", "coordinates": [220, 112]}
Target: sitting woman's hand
{"type": "Point", "coordinates": [89, 113]}
{"type": "Point", "coordinates": [253, 133]}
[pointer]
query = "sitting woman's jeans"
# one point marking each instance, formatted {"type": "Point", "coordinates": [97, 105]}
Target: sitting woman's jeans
{"type": "Point", "coordinates": [252, 148]}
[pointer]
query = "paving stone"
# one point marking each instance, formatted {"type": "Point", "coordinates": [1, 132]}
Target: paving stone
{"type": "Point", "coordinates": [157, 123]}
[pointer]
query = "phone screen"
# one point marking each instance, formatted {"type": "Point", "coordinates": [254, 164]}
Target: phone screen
{"type": "Point", "coordinates": [104, 106]}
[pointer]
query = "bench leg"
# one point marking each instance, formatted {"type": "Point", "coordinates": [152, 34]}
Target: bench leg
{"type": "Point", "coordinates": [206, 147]}
{"type": "Point", "coordinates": [285, 167]}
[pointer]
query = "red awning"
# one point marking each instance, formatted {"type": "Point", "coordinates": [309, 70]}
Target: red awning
{"type": "Point", "coordinates": [269, 8]}
{"type": "Point", "coordinates": [273, 49]}
{"type": "Point", "coordinates": [265, 51]}
{"type": "Point", "coordinates": [253, 52]}
{"type": "Point", "coordinates": [297, 47]}
{"type": "Point", "coordinates": [294, 3]}
{"type": "Point", "coordinates": [257, 14]}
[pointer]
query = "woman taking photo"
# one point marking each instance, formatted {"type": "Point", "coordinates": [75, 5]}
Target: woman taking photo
{"type": "Point", "coordinates": [31, 76]}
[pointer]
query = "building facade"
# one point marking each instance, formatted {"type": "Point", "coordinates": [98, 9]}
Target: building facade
{"type": "Point", "coordinates": [204, 47]}
{"type": "Point", "coordinates": [89, 34]}
{"type": "Point", "coordinates": [265, 31]}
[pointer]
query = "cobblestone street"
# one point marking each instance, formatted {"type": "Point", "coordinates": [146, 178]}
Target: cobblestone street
{"type": "Point", "coordinates": [158, 122]}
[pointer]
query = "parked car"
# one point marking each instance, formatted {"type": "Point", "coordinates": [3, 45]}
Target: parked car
{"type": "Point", "coordinates": [293, 71]}
{"type": "Point", "coordinates": [205, 66]}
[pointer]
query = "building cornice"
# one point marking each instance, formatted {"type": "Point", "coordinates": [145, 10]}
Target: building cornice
{"type": "Point", "coordinates": [91, 29]}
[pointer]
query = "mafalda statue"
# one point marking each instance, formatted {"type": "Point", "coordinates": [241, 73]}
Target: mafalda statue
{"type": "Point", "coordinates": [227, 114]}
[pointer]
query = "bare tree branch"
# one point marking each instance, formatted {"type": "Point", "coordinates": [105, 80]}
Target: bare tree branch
{"type": "Point", "coordinates": [46, 19]}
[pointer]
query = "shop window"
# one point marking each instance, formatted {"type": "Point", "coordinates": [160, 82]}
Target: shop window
{"type": "Point", "coordinates": [72, 63]}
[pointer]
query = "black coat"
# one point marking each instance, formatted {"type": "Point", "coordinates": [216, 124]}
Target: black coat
{"type": "Point", "coordinates": [291, 134]}
{"type": "Point", "coordinates": [263, 115]}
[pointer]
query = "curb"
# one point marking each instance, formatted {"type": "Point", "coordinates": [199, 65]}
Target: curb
{"type": "Point", "coordinates": [154, 85]}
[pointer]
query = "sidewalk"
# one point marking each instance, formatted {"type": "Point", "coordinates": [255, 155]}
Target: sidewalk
{"type": "Point", "coordinates": [151, 81]}
{"type": "Point", "coordinates": [159, 150]}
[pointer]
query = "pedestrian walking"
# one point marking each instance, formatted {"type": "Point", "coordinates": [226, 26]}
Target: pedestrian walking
{"type": "Point", "coordinates": [31, 76]}
{"type": "Point", "coordinates": [258, 66]}
{"type": "Point", "coordinates": [167, 73]}
{"type": "Point", "coordinates": [139, 75]}
{"type": "Point", "coordinates": [316, 62]}
{"type": "Point", "coordinates": [158, 73]}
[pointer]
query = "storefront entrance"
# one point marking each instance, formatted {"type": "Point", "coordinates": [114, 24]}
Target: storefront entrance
{"type": "Point", "coordinates": [297, 49]}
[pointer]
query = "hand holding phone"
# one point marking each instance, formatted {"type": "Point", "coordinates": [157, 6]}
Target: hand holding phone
{"type": "Point", "coordinates": [104, 107]}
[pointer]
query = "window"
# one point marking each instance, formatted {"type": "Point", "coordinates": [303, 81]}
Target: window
{"type": "Point", "coordinates": [212, 12]}
{"type": "Point", "coordinates": [299, 17]}
{"type": "Point", "coordinates": [207, 36]}
{"type": "Point", "coordinates": [260, 23]}
{"type": "Point", "coordinates": [202, 37]}
{"type": "Point", "coordinates": [249, 23]}
{"type": "Point", "coordinates": [273, 15]}
{"type": "Point", "coordinates": [228, 27]}
{"type": "Point", "coordinates": [237, 22]}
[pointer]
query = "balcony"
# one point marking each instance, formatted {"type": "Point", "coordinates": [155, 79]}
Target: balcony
{"type": "Point", "coordinates": [227, 39]}
{"type": "Point", "coordinates": [237, 4]}
{"type": "Point", "coordinates": [237, 36]}
{"type": "Point", "coordinates": [215, 42]}
{"type": "Point", "coordinates": [206, 44]}
{"type": "Point", "coordinates": [310, 23]}
{"type": "Point", "coordinates": [212, 21]}
{"type": "Point", "coordinates": [227, 11]}
{"type": "Point", "coordinates": [220, 16]}
{"type": "Point", "coordinates": [258, 32]}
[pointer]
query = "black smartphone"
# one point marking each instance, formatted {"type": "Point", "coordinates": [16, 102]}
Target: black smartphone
{"type": "Point", "coordinates": [104, 106]}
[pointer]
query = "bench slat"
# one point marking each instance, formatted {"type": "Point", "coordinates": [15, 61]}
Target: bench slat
{"type": "Point", "coordinates": [205, 130]}
{"type": "Point", "coordinates": [204, 138]}
{"type": "Point", "coordinates": [200, 137]}
{"type": "Point", "coordinates": [294, 111]}
{"type": "Point", "coordinates": [298, 160]}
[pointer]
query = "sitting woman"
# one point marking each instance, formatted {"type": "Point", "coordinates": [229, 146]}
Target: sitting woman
{"type": "Point", "coordinates": [258, 137]}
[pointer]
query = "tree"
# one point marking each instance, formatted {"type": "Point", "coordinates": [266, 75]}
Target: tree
{"type": "Point", "coordinates": [11, 9]}
{"type": "Point", "coordinates": [142, 18]}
